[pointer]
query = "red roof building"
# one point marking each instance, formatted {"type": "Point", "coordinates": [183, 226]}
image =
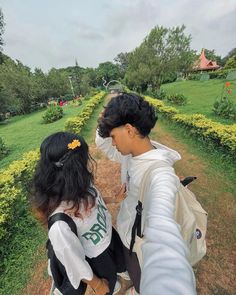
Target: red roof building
{"type": "Point", "coordinates": [204, 64]}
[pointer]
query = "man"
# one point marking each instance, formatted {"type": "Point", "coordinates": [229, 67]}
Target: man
{"type": "Point", "coordinates": [123, 134]}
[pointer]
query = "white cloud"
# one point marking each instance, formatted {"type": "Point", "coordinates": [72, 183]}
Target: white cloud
{"type": "Point", "coordinates": [55, 33]}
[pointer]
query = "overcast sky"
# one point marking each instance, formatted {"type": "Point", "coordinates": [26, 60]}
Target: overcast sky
{"type": "Point", "coordinates": [55, 33]}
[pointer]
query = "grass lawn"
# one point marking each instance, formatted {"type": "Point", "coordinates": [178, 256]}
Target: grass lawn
{"type": "Point", "coordinates": [201, 96]}
{"type": "Point", "coordinates": [24, 133]}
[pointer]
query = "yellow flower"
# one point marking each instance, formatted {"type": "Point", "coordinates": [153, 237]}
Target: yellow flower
{"type": "Point", "coordinates": [74, 144]}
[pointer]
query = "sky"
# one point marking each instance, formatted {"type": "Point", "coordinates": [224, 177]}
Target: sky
{"type": "Point", "coordinates": [55, 33]}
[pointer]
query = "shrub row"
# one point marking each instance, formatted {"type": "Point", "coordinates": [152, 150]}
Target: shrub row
{"type": "Point", "coordinates": [210, 131]}
{"type": "Point", "coordinates": [75, 124]}
{"type": "Point", "coordinates": [14, 183]}
{"type": "Point", "coordinates": [219, 74]}
{"type": "Point", "coordinates": [16, 179]}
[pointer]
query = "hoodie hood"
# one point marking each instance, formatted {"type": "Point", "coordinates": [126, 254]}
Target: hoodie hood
{"type": "Point", "coordinates": [161, 152]}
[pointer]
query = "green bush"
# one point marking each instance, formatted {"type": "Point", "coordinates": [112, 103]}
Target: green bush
{"type": "Point", "coordinates": [195, 77]}
{"type": "Point", "coordinates": [176, 99]}
{"type": "Point", "coordinates": [157, 93]}
{"type": "Point", "coordinates": [52, 114]}
{"type": "Point", "coordinates": [3, 149]}
{"type": "Point", "coordinates": [224, 108]}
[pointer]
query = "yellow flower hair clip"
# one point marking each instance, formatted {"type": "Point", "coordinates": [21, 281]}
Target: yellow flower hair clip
{"type": "Point", "coordinates": [74, 144]}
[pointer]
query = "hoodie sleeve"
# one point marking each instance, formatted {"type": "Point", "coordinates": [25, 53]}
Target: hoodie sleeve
{"type": "Point", "coordinates": [69, 251]}
{"type": "Point", "coordinates": [105, 145]}
{"type": "Point", "coordinates": [165, 268]}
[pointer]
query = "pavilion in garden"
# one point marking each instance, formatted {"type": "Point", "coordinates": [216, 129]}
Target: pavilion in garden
{"type": "Point", "coordinates": [204, 64]}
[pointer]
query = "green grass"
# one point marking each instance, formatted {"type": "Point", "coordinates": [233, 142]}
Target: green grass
{"type": "Point", "coordinates": [24, 133]}
{"type": "Point", "coordinates": [201, 96]}
{"type": "Point", "coordinates": [21, 253]}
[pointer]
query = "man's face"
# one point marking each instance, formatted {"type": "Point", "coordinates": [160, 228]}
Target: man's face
{"type": "Point", "coordinates": [121, 139]}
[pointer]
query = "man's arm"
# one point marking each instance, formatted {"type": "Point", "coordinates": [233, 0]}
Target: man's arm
{"type": "Point", "coordinates": [165, 268]}
{"type": "Point", "coordinates": [105, 145]}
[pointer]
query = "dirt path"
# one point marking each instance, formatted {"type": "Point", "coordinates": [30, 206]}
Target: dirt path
{"type": "Point", "coordinates": [216, 272]}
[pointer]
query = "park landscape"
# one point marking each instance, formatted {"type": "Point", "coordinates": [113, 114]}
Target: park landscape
{"type": "Point", "coordinates": [197, 115]}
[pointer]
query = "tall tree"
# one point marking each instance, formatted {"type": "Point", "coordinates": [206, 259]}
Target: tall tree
{"type": "Point", "coordinates": [163, 52]}
{"type": "Point", "coordinates": [231, 63]}
{"type": "Point", "coordinates": [58, 83]}
{"type": "Point", "coordinates": [1, 33]}
{"type": "Point", "coordinates": [230, 54]}
{"type": "Point", "coordinates": [122, 60]}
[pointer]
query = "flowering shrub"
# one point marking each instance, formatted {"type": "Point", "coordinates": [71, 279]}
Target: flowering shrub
{"type": "Point", "coordinates": [53, 113]}
{"type": "Point", "coordinates": [224, 107]}
{"type": "Point", "coordinates": [219, 134]}
{"type": "Point", "coordinates": [75, 124]}
{"type": "Point", "coordinates": [14, 183]}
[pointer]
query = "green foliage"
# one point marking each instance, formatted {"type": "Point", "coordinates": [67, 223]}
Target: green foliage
{"type": "Point", "coordinates": [224, 107]}
{"type": "Point", "coordinates": [1, 30]}
{"type": "Point", "coordinates": [231, 62]}
{"type": "Point", "coordinates": [231, 76]}
{"type": "Point", "coordinates": [122, 60]}
{"type": "Point", "coordinates": [221, 136]}
{"type": "Point", "coordinates": [58, 83]}
{"type": "Point", "coordinates": [176, 99]}
{"type": "Point", "coordinates": [204, 77]}
{"type": "Point", "coordinates": [75, 124]}
{"type": "Point", "coordinates": [211, 55]}
{"type": "Point", "coordinates": [52, 114]}
{"type": "Point", "coordinates": [163, 53]}
{"type": "Point", "coordinates": [107, 71]}
{"type": "Point", "coordinates": [3, 149]}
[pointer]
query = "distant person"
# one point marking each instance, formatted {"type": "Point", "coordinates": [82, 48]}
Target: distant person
{"type": "Point", "coordinates": [123, 135]}
{"type": "Point", "coordinates": [63, 183]}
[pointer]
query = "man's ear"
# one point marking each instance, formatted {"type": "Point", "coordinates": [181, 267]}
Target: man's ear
{"type": "Point", "coordinates": [131, 130]}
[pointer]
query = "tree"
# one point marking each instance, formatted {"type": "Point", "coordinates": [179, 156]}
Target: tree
{"type": "Point", "coordinates": [1, 33]}
{"type": "Point", "coordinates": [231, 63]}
{"type": "Point", "coordinates": [230, 54]}
{"type": "Point", "coordinates": [58, 83]}
{"type": "Point", "coordinates": [108, 71]}
{"type": "Point", "coordinates": [122, 60]}
{"type": "Point", "coordinates": [163, 53]}
{"type": "Point", "coordinates": [40, 86]}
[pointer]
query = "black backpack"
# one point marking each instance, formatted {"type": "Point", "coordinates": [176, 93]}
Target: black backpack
{"type": "Point", "coordinates": [59, 275]}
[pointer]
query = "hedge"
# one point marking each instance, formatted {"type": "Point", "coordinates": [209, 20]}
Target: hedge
{"type": "Point", "coordinates": [219, 134]}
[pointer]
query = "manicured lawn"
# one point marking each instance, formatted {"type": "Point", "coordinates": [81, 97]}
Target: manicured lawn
{"type": "Point", "coordinates": [201, 96]}
{"type": "Point", "coordinates": [24, 133]}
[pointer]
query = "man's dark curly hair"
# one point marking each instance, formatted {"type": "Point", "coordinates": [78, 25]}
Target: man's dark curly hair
{"type": "Point", "coordinates": [127, 108]}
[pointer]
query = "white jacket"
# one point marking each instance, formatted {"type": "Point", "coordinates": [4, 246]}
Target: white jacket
{"type": "Point", "coordinates": [94, 236]}
{"type": "Point", "coordinates": [165, 270]}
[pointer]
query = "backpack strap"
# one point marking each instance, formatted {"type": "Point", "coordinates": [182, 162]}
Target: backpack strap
{"type": "Point", "coordinates": [62, 217]}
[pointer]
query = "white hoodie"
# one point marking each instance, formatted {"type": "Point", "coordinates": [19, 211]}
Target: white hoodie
{"type": "Point", "coordinates": [165, 269]}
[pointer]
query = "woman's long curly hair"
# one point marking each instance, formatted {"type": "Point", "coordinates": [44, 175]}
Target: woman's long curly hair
{"type": "Point", "coordinates": [63, 174]}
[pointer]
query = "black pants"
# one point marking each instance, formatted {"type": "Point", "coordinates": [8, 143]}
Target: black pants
{"type": "Point", "coordinates": [110, 262]}
{"type": "Point", "coordinates": [133, 267]}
